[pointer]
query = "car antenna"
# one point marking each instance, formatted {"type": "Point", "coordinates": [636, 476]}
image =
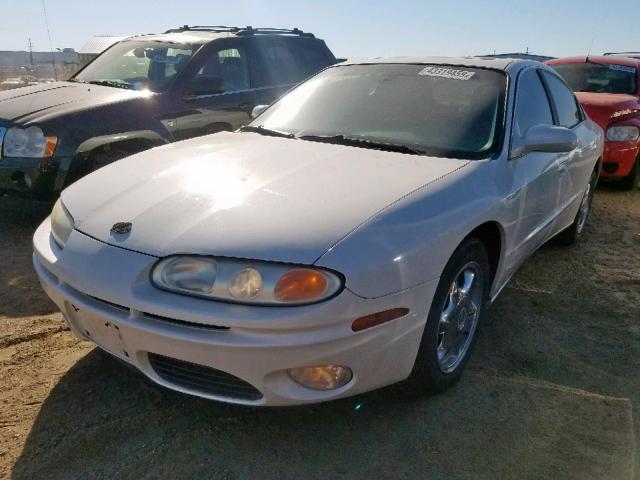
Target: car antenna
{"type": "Point", "coordinates": [593, 39]}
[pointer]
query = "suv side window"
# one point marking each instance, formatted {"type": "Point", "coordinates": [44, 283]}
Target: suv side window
{"type": "Point", "coordinates": [312, 58]}
{"type": "Point", "coordinates": [532, 103]}
{"type": "Point", "coordinates": [566, 106]}
{"type": "Point", "coordinates": [279, 62]}
{"type": "Point", "coordinates": [231, 65]}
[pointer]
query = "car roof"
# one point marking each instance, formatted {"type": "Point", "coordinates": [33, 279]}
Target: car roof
{"type": "Point", "coordinates": [605, 60]}
{"type": "Point", "coordinates": [205, 34]}
{"type": "Point", "coordinates": [506, 64]}
{"type": "Point", "coordinates": [182, 37]}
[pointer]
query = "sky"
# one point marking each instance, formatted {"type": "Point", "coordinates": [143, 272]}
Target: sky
{"type": "Point", "coordinates": [351, 29]}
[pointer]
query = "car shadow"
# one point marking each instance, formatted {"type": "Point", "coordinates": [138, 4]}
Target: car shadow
{"type": "Point", "coordinates": [20, 291]}
{"type": "Point", "coordinates": [104, 421]}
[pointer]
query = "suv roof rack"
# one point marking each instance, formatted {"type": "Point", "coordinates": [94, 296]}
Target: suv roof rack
{"type": "Point", "coordinates": [248, 30]}
{"type": "Point", "coordinates": [621, 53]}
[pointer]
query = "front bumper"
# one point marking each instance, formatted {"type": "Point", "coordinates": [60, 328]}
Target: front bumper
{"type": "Point", "coordinates": [29, 177]}
{"type": "Point", "coordinates": [618, 158]}
{"type": "Point", "coordinates": [105, 295]}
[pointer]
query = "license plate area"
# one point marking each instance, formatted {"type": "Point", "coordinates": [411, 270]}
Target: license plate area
{"type": "Point", "coordinates": [103, 332]}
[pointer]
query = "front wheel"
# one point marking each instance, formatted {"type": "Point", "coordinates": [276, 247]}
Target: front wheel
{"type": "Point", "coordinates": [453, 320]}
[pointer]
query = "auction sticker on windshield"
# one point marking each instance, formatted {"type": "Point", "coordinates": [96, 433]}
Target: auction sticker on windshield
{"type": "Point", "coordinates": [622, 68]}
{"type": "Point", "coordinates": [447, 73]}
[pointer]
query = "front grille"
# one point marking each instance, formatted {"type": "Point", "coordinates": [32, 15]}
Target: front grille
{"type": "Point", "coordinates": [202, 379]}
{"type": "Point", "coordinates": [111, 304]}
{"type": "Point", "coordinates": [183, 323]}
{"type": "Point", "coordinates": [160, 318]}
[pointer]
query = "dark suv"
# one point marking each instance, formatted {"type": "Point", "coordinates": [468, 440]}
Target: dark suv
{"type": "Point", "coordinates": [143, 92]}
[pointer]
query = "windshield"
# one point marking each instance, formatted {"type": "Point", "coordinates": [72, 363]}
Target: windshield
{"type": "Point", "coordinates": [439, 110]}
{"type": "Point", "coordinates": [596, 78]}
{"type": "Point", "coordinates": [138, 65]}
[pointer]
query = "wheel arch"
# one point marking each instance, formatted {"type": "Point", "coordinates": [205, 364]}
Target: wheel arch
{"type": "Point", "coordinates": [130, 141]}
{"type": "Point", "coordinates": [491, 235]}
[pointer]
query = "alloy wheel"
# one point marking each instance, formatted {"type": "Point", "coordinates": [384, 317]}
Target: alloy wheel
{"type": "Point", "coordinates": [459, 317]}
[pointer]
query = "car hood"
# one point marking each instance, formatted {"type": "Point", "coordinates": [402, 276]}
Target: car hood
{"type": "Point", "coordinates": [245, 195]}
{"type": "Point", "coordinates": [40, 102]}
{"type": "Point", "coordinates": [602, 106]}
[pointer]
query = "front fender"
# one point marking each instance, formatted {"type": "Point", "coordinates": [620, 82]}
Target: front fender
{"type": "Point", "coordinates": [71, 167]}
{"type": "Point", "coordinates": [410, 242]}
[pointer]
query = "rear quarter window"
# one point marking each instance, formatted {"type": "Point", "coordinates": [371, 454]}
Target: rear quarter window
{"type": "Point", "coordinates": [313, 56]}
{"type": "Point", "coordinates": [279, 63]}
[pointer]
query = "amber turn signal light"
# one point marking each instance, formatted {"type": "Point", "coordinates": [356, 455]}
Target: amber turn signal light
{"type": "Point", "coordinates": [374, 319]}
{"type": "Point", "coordinates": [50, 147]}
{"type": "Point", "coordinates": [300, 285]}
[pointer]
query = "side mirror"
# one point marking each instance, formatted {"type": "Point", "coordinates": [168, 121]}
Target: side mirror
{"type": "Point", "coordinates": [204, 85]}
{"type": "Point", "coordinates": [258, 109]}
{"type": "Point", "coordinates": [545, 138]}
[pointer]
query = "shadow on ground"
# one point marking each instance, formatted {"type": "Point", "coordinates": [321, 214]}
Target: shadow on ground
{"type": "Point", "coordinates": [102, 421]}
{"type": "Point", "coordinates": [20, 292]}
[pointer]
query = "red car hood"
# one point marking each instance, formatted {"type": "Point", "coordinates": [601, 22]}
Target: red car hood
{"type": "Point", "coordinates": [602, 106]}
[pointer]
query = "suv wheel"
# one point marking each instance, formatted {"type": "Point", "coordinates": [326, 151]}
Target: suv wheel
{"type": "Point", "coordinates": [103, 158]}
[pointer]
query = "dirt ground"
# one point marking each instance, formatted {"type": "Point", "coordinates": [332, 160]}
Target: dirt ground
{"type": "Point", "coordinates": [552, 390]}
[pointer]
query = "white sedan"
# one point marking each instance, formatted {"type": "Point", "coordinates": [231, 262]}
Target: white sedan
{"type": "Point", "coordinates": [351, 236]}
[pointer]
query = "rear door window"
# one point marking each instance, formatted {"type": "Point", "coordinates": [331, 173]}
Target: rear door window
{"type": "Point", "coordinates": [312, 57]}
{"type": "Point", "coordinates": [566, 105]}
{"type": "Point", "coordinates": [279, 62]}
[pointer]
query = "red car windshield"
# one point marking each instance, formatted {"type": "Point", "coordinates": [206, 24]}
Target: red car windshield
{"type": "Point", "coordinates": [598, 78]}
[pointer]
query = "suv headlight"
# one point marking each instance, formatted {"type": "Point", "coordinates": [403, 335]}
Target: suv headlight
{"type": "Point", "coordinates": [61, 224]}
{"type": "Point", "coordinates": [28, 142]}
{"type": "Point", "coordinates": [623, 133]}
{"type": "Point", "coordinates": [245, 281]}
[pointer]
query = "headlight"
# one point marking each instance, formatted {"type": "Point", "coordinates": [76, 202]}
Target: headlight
{"type": "Point", "coordinates": [61, 223]}
{"type": "Point", "coordinates": [623, 133]}
{"type": "Point", "coordinates": [244, 281]}
{"type": "Point", "coordinates": [28, 142]}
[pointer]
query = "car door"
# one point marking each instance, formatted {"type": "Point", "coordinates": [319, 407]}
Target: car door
{"type": "Point", "coordinates": [218, 94]}
{"type": "Point", "coordinates": [535, 192]}
{"type": "Point", "coordinates": [574, 167]}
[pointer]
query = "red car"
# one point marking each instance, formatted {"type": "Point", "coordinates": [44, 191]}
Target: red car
{"type": "Point", "coordinates": [609, 90]}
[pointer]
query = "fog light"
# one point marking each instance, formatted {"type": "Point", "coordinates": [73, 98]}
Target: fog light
{"type": "Point", "coordinates": [323, 377]}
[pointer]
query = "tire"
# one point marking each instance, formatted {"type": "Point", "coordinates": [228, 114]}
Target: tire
{"type": "Point", "coordinates": [434, 369]}
{"type": "Point", "coordinates": [632, 180]}
{"type": "Point", "coordinates": [572, 234]}
{"type": "Point", "coordinates": [101, 159]}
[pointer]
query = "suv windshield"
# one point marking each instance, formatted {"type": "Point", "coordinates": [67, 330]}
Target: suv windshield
{"type": "Point", "coordinates": [434, 109]}
{"type": "Point", "coordinates": [597, 78]}
{"type": "Point", "coordinates": [138, 65]}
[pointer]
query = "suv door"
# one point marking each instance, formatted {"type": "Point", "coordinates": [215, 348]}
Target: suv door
{"type": "Point", "coordinates": [218, 92]}
{"type": "Point", "coordinates": [536, 187]}
{"type": "Point", "coordinates": [574, 167]}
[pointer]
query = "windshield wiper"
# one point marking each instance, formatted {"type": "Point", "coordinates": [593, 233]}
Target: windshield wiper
{"type": "Point", "coordinates": [111, 83]}
{"type": "Point", "coordinates": [363, 143]}
{"type": "Point", "coordinates": [266, 131]}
